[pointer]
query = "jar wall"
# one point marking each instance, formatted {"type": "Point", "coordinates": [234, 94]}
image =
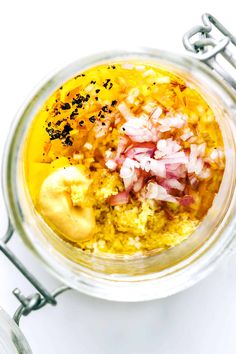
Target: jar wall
{"type": "Point", "coordinates": [183, 262]}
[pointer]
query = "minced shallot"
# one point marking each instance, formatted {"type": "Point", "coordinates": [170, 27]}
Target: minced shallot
{"type": "Point", "coordinates": [161, 166]}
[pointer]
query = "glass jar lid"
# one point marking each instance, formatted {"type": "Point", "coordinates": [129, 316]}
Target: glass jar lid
{"type": "Point", "coordinates": [12, 340]}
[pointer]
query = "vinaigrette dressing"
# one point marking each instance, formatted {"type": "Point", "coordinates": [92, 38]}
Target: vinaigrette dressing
{"type": "Point", "coordinates": [124, 158]}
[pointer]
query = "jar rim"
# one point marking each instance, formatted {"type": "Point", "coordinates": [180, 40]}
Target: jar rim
{"type": "Point", "coordinates": [101, 285]}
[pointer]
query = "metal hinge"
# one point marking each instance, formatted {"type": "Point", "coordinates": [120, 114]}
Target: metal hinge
{"type": "Point", "coordinates": [214, 45]}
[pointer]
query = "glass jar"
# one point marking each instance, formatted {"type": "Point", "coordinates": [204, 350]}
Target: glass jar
{"type": "Point", "coordinates": [137, 277]}
{"type": "Point", "coordinates": [12, 340]}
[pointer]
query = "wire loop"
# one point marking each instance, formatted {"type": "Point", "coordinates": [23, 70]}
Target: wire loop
{"type": "Point", "coordinates": [200, 41]}
{"type": "Point", "coordinates": [37, 300]}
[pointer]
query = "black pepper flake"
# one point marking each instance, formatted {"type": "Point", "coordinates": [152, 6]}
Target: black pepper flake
{"type": "Point", "coordinates": [113, 103]}
{"type": "Point", "coordinates": [96, 98]}
{"type": "Point", "coordinates": [93, 82]}
{"type": "Point", "coordinates": [103, 123]}
{"type": "Point", "coordinates": [58, 134]}
{"type": "Point", "coordinates": [99, 114]}
{"type": "Point", "coordinates": [105, 84]}
{"type": "Point", "coordinates": [66, 130]}
{"type": "Point", "coordinates": [59, 122]}
{"type": "Point", "coordinates": [102, 116]}
{"type": "Point", "coordinates": [53, 133]}
{"type": "Point", "coordinates": [56, 112]}
{"type": "Point", "coordinates": [73, 114]}
{"type": "Point", "coordinates": [81, 123]}
{"type": "Point", "coordinates": [113, 66]}
{"type": "Point", "coordinates": [49, 124]}
{"type": "Point", "coordinates": [97, 91]}
{"type": "Point", "coordinates": [92, 119]}
{"type": "Point", "coordinates": [68, 141]}
{"type": "Point", "coordinates": [79, 100]}
{"type": "Point", "coordinates": [76, 77]}
{"type": "Point", "coordinates": [105, 108]}
{"type": "Point", "coordinates": [61, 87]}
{"type": "Point", "coordinates": [65, 106]}
{"type": "Point", "coordinates": [110, 111]}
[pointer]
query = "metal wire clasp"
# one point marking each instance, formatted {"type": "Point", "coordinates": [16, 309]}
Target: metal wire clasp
{"type": "Point", "coordinates": [37, 300]}
{"type": "Point", "coordinates": [208, 45]}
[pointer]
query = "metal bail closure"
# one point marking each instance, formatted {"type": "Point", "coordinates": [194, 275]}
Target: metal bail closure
{"type": "Point", "coordinates": [37, 300]}
{"type": "Point", "coordinates": [214, 45]}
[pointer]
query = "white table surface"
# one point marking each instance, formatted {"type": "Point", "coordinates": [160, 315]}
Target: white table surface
{"type": "Point", "coordinates": [38, 37]}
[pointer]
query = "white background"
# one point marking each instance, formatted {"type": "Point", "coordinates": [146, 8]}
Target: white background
{"type": "Point", "coordinates": [38, 37]}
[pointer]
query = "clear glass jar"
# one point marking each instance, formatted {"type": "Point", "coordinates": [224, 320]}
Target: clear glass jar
{"type": "Point", "coordinates": [129, 278]}
{"type": "Point", "coordinates": [12, 340]}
